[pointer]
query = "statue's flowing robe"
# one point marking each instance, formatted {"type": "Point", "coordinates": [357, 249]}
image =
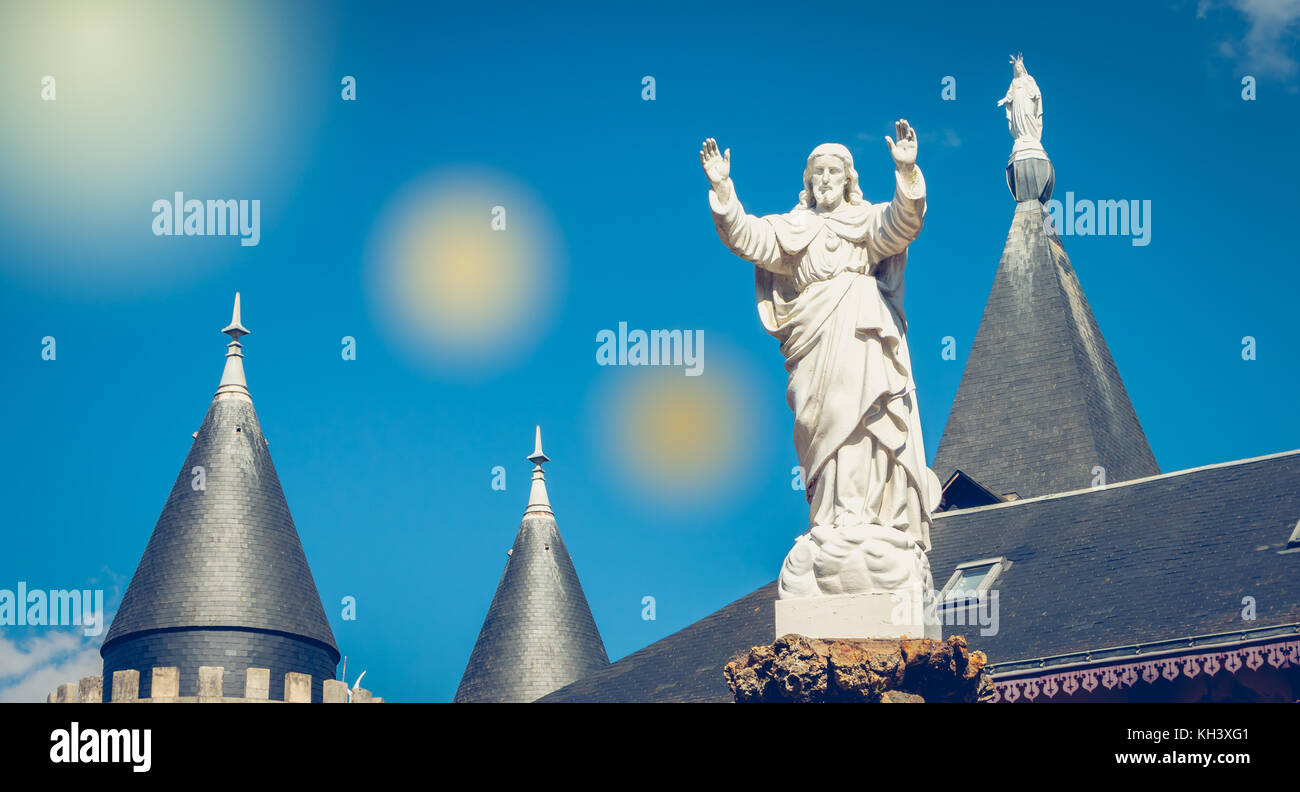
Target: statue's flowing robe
{"type": "Point", "coordinates": [1024, 105]}
{"type": "Point", "coordinates": [830, 289]}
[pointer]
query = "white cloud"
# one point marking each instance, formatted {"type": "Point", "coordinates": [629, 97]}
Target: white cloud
{"type": "Point", "coordinates": [1268, 45]}
{"type": "Point", "coordinates": [33, 667]}
{"type": "Point", "coordinates": [36, 660]}
{"type": "Point", "coordinates": [943, 138]}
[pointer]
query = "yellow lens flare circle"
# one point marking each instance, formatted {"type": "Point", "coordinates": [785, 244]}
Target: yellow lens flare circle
{"type": "Point", "coordinates": [681, 436]}
{"type": "Point", "coordinates": [464, 270]}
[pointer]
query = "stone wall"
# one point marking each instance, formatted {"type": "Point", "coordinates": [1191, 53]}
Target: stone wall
{"type": "Point", "coordinates": [165, 686]}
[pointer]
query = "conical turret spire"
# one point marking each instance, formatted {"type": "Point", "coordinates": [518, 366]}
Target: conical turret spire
{"type": "Point", "coordinates": [224, 580]}
{"type": "Point", "coordinates": [539, 634]}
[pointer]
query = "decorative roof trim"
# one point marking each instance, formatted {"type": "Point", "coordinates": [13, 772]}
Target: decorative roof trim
{"type": "Point", "coordinates": [1168, 666]}
{"type": "Point", "coordinates": [1150, 649]}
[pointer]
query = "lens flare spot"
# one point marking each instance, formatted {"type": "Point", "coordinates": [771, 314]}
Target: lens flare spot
{"type": "Point", "coordinates": [463, 270]}
{"type": "Point", "coordinates": [145, 98]}
{"type": "Point", "coordinates": [677, 436]}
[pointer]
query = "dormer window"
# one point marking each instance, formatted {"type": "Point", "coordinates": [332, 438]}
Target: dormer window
{"type": "Point", "coordinates": [970, 580]}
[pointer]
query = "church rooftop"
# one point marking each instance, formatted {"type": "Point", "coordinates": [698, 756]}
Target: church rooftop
{"type": "Point", "coordinates": [1165, 558]}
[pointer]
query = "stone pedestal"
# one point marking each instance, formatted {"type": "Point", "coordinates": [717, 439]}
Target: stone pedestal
{"type": "Point", "coordinates": [1031, 178]}
{"type": "Point", "coordinates": [799, 669]}
{"type": "Point", "coordinates": [895, 614]}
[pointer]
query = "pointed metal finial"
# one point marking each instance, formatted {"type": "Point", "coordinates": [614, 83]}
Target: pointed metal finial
{"type": "Point", "coordinates": [538, 500]}
{"type": "Point", "coordinates": [235, 330]}
{"type": "Point", "coordinates": [233, 384]}
{"type": "Point", "coordinates": [537, 457]}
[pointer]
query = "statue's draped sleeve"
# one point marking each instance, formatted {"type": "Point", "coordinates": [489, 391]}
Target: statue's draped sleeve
{"type": "Point", "coordinates": [752, 238]}
{"type": "Point", "coordinates": [889, 229]}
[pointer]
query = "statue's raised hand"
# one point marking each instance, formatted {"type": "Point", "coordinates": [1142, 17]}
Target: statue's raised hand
{"type": "Point", "coordinates": [716, 166]}
{"type": "Point", "coordinates": [904, 151]}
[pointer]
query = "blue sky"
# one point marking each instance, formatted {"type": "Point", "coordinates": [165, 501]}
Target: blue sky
{"type": "Point", "coordinates": [387, 460]}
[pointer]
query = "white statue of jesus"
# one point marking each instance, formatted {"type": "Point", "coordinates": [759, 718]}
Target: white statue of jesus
{"type": "Point", "coordinates": [829, 281]}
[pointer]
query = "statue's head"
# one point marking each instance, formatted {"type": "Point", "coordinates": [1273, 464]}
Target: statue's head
{"type": "Point", "coordinates": [1018, 66]}
{"type": "Point", "coordinates": [829, 179]}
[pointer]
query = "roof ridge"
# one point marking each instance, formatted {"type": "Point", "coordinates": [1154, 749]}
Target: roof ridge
{"type": "Point", "coordinates": [1118, 484]}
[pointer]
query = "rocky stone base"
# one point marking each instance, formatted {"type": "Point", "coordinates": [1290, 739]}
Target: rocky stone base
{"type": "Point", "coordinates": [795, 668]}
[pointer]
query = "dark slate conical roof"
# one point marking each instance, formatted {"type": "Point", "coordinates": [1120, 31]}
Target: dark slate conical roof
{"type": "Point", "coordinates": [539, 634]}
{"type": "Point", "coordinates": [225, 555]}
{"type": "Point", "coordinates": [1041, 402]}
